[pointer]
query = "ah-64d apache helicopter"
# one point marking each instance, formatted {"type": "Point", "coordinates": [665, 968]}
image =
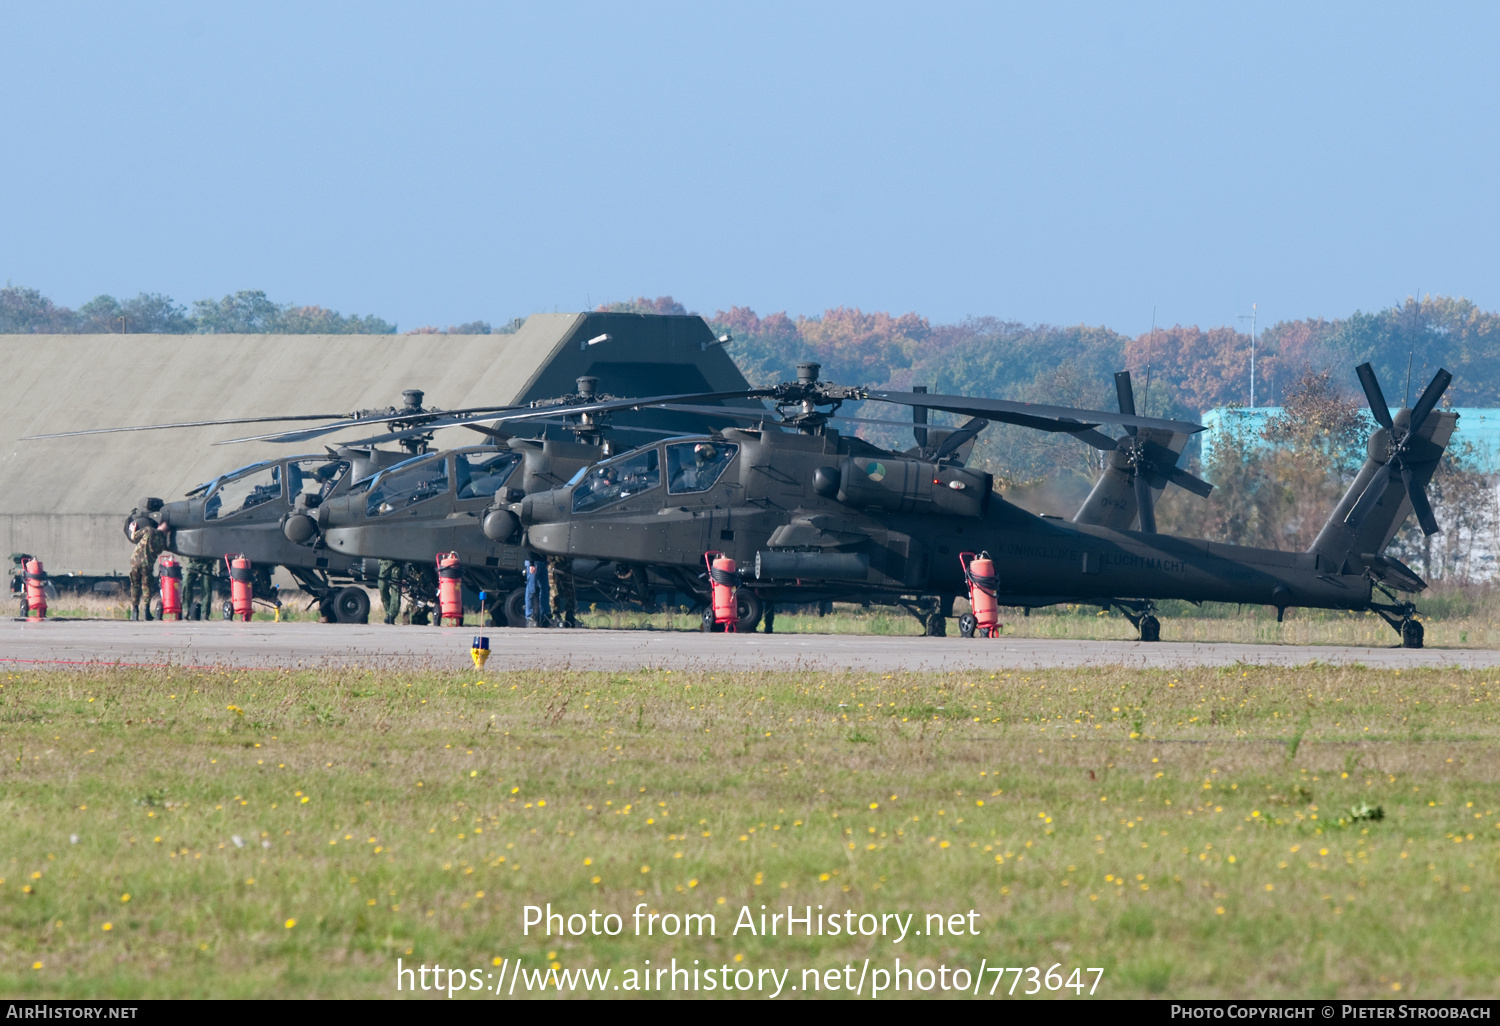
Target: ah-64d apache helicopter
{"type": "Point", "coordinates": [815, 513]}
{"type": "Point", "coordinates": [242, 511]}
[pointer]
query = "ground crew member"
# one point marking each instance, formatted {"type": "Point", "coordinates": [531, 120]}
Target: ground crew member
{"type": "Point", "coordinates": [536, 591]}
{"type": "Point", "coordinates": [198, 588]}
{"type": "Point", "coordinates": [390, 588]}
{"type": "Point", "coordinates": [150, 542]}
{"type": "Point", "coordinates": [564, 596]}
{"type": "Point", "coordinates": [18, 580]}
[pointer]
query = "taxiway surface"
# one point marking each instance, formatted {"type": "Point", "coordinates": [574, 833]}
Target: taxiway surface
{"type": "Point", "coordinates": [272, 645]}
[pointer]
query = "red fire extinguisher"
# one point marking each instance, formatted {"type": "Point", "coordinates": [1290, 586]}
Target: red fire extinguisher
{"type": "Point", "coordinates": [241, 587]}
{"type": "Point", "coordinates": [36, 588]}
{"type": "Point", "coordinates": [450, 589]}
{"type": "Point", "coordinates": [171, 587]}
{"type": "Point", "coordinates": [983, 581]}
{"type": "Point", "coordinates": [724, 589]}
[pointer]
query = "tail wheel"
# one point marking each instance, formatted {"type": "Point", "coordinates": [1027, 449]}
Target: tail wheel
{"type": "Point", "coordinates": [1150, 628]}
{"type": "Point", "coordinates": [936, 626]}
{"type": "Point", "coordinates": [1411, 634]}
{"type": "Point", "coordinates": [352, 605]}
{"type": "Point", "coordinates": [515, 608]}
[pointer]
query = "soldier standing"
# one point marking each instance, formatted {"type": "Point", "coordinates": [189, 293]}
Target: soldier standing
{"type": "Point", "coordinates": [536, 591]}
{"type": "Point", "coordinates": [564, 597]}
{"type": "Point", "coordinates": [390, 588]}
{"type": "Point", "coordinates": [198, 576]}
{"type": "Point", "coordinates": [150, 542]}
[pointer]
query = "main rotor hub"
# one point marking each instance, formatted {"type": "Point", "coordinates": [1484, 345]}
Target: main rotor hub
{"type": "Point", "coordinates": [413, 398]}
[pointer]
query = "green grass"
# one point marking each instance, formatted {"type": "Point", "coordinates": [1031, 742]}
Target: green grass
{"type": "Point", "coordinates": [1202, 833]}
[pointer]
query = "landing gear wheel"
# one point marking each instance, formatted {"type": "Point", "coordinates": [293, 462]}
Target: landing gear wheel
{"type": "Point", "coordinates": [750, 609]}
{"type": "Point", "coordinates": [1411, 634]}
{"type": "Point", "coordinates": [966, 625]}
{"type": "Point", "coordinates": [421, 616]}
{"type": "Point", "coordinates": [1150, 628]}
{"type": "Point", "coordinates": [935, 626]}
{"type": "Point", "coordinates": [514, 608]}
{"type": "Point", "coordinates": [351, 605]}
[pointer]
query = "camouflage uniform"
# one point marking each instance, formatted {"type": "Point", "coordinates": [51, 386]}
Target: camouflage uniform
{"type": "Point", "coordinates": [149, 544]}
{"type": "Point", "coordinates": [564, 597]}
{"type": "Point", "coordinates": [198, 576]}
{"type": "Point", "coordinates": [390, 588]}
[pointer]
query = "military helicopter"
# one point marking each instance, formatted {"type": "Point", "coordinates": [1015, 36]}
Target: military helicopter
{"type": "Point", "coordinates": [815, 513]}
{"type": "Point", "coordinates": [242, 511]}
{"type": "Point", "coordinates": [435, 503]}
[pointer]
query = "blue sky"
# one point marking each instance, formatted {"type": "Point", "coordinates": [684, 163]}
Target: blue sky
{"type": "Point", "coordinates": [1064, 163]}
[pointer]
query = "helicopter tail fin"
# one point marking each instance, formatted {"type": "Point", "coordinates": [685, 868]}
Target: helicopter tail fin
{"type": "Point", "coordinates": [1380, 499]}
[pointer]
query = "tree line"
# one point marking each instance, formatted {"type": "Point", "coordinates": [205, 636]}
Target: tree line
{"type": "Point", "coordinates": [249, 312]}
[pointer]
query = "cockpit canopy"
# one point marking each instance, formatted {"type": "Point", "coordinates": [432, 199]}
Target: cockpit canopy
{"type": "Point", "coordinates": [470, 474]}
{"type": "Point", "coordinates": [692, 466]}
{"type": "Point", "coordinates": [260, 483]}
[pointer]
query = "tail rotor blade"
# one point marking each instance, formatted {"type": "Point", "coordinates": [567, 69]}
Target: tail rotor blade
{"type": "Point", "coordinates": [1143, 503]}
{"type": "Point", "coordinates": [1126, 395]}
{"type": "Point", "coordinates": [1434, 391]}
{"type": "Point", "coordinates": [1182, 479]}
{"type": "Point", "coordinates": [1419, 504]}
{"type": "Point", "coordinates": [956, 440]}
{"type": "Point", "coordinates": [1098, 439]}
{"type": "Point", "coordinates": [1374, 395]}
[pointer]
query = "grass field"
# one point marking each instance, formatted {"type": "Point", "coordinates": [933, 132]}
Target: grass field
{"type": "Point", "coordinates": [1319, 831]}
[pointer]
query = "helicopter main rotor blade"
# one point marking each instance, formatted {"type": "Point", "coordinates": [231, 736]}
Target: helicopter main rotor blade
{"type": "Point", "coordinates": [1374, 396]}
{"type": "Point", "coordinates": [1033, 415]}
{"type": "Point", "coordinates": [732, 413]}
{"type": "Point", "coordinates": [183, 424]}
{"type": "Point", "coordinates": [348, 422]}
{"type": "Point", "coordinates": [1143, 502]}
{"type": "Point", "coordinates": [529, 413]}
{"type": "Point", "coordinates": [1430, 396]}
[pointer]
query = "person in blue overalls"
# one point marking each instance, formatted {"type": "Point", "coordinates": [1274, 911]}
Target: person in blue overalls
{"type": "Point", "coordinates": [536, 590]}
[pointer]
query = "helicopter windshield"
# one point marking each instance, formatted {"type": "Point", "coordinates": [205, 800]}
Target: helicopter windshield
{"type": "Point", "coordinates": [611, 482]}
{"type": "Point", "coordinates": [397, 488]}
{"type": "Point", "coordinates": [695, 466]}
{"type": "Point", "coordinates": [245, 489]}
{"type": "Point", "coordinates": [315, 477]}
{"type": "Point", "coordinates": [481, 474]}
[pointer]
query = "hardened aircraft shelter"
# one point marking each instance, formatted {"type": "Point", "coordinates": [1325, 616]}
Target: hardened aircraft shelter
{"type": "Point", "coordinates": [65, 499]}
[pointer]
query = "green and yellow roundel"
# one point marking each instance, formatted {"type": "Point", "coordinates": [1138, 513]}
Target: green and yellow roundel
{"type": "Point", "coordinates": [876, 471]}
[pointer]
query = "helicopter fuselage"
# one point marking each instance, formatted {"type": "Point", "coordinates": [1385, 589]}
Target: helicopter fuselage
{"type": "Point", "coordinates": [822, 514]}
